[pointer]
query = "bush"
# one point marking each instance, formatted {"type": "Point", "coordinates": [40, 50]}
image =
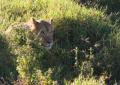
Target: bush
{"type": "Point", "coordinates": [111, 5]}
{"type": "Point", "coordinates": [87, 81]}
{"type": "Point", "coordinates": [8, 71]}
{"type": "Point", "coordinates": [86, 43]}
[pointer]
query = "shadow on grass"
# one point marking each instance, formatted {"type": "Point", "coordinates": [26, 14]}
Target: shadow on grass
{"type": "Point", "coordinates": [112, 6]}
{"type": "Point", "coordinates": [69, 34]}
{"type": "Point", "coordinates": [91, 37]}
{"type": "Point", "coordinates": [7, 63]}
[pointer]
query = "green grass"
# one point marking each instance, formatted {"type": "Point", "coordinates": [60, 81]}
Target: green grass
{"type": "Point", "coordinates": [86, 45]}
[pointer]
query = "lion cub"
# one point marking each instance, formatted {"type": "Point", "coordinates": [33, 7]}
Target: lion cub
{"type": "Point", "coordinates": [43, 29]}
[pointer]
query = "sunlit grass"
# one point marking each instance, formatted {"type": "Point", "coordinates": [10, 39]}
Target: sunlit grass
{"type": "Point", "coordinates": [82, 22]}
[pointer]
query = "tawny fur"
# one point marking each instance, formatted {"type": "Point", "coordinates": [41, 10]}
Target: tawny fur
{"type": "Point", "coordinates": [44, 29]}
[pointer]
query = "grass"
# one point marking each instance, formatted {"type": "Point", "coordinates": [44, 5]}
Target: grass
{"type": "Point", "coordinates": [86, 47]}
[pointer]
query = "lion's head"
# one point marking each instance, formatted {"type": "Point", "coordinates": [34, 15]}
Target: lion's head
{"type": "Point", "coordinates": [44, 29]}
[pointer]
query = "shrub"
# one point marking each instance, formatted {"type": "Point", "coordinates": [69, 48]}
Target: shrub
{"type": "Point", "coordinates": [112, 5]}
{"type": "Point", "coordinates": [86, 42]}
{"type": "Point", "coordinates": [8, 71]}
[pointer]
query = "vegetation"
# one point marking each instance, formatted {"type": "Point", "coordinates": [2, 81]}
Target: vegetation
{"type": "Point", "coordinates": [85, 51]}
{"type": "Point", "coordinates": [112, 5]}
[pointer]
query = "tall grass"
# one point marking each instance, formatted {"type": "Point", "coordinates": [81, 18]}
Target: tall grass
{"type": "Point", "coordinates": [86, 44]}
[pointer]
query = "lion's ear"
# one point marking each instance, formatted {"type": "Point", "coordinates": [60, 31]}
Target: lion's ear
{"type": "Point", "coordinates": [32, 20]}
{"type": "Point", "coordinates": [51, 21]}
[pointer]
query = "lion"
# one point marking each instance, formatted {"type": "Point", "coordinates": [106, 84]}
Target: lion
{"type": "Point", "coordinates": [42, 28]}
